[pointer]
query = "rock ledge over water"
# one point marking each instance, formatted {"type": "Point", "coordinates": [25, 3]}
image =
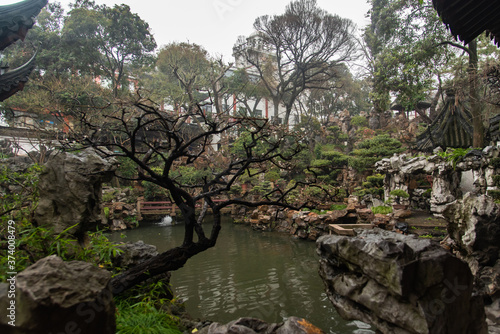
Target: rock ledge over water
{"type": "Point", "coordinates": [399, 284]}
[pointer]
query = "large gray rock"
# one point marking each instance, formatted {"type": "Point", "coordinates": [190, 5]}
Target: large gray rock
{"type": "Point", "coordinates": [292, 325]}
{"type": "Point", "coordinates": [70, 190]}
{"type": "Point", "coordinates": [131, 254]}
{"type": "Point", "coordinates": [474, 225]}
{"type": "Point", "coordinates": [400, 284]}
{"type": "Point", "coordinates": [53, 296]}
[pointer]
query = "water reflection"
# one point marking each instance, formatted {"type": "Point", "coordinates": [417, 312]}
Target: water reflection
{"type": "Point", "coordinates": [265, 275]}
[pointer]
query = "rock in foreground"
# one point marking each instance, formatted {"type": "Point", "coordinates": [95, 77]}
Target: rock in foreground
{"type": "Point", "coordinates": [399, 284]}
{"type": "Point", "coordinates": [54, 296]}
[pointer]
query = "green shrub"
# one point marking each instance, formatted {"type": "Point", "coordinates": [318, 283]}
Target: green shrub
{"type": "Point", "coordinates": [126, 168]}
{"type": "Point", "coordinates": [153, 192]}
{"type": "Point", "coordinates": [496, 180]}
{"type": "Point", "coordinates": [327, 164]}
{"type": "Point", "coordinates": [35, 242]}
{"type": "Point", "coordinates": [337, 159]}
{"type": "Point", "coordinates": [189, 175]}
{"type": "Point", "coordinates": [359, 191]}
{"type": "Point", "coordinates": [372, 150]}
{"type": "Point", "coordinates": [272, 175]}
{"type": "Point", "coordinates": [314, 192]}
{"type": "Point", "coordinates": [106, 212]}
{"type": "Point", "coordinates": [251, 176]}
{"type": "Point", "coordinates": [334, 128]}
{"type": "Point", "coordinates": [495, 194]}
{"type": "Point", "coordinates": [399, 193]}
{"type": "Point", "coordinates": [376, 191]}
{"type": "Point", "coordinates": [108, 197]}
{"type": "Point", "coordinates": [376, 180]}
{"type": "Point", "coordinates": [319, 163]}
{"type": "Point", "coordinates": [262, 188]}
{"type": "Point", "coordinates": [132, 219]}
{"type": "Point", "coordinates": [454, 155]}
{"type": "Point", "coordinates": [18, 205]}
{"type": "Point", "coordinates": [359, 121]}
{"type": "Point", "coordinates": [245, 139]}
{"type": "Point", "coordinates": [235, 189]}
{"type": "Point", "coordinates": [495, 162]}
{"type": "Point", "coordinates": [323, 178]}
{"type": "Point", "coordinates": [317, 151]}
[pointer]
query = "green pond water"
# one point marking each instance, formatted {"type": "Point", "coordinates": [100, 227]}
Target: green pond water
{"type": "Point", "coordinates": [266, 275]}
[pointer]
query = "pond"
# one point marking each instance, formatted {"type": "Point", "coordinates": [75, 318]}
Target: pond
{"type": "Point", "coordinates": [266, 275]}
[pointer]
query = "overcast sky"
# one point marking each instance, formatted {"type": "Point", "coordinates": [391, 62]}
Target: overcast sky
{"type": "Point", "coordinates": [216, 24]}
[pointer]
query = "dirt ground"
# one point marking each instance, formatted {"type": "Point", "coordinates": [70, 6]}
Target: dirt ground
{"type": "Point", "coordinates": [425, 225]}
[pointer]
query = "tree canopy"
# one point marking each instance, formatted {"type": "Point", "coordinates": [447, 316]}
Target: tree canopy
{"type": "Point", "coordinates": [104, 40]}
{"type": "Point", "coordinates": [298, 50]}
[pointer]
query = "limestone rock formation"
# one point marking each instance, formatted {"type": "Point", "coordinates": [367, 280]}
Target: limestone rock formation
{"type": "Point", "coordinates": [292, 325]}
{"type": "Point", "coordinates": [399, 284]}
{"type": "Point", "coordinates": [450, 178]}
{"type": "Point", "coordinates": [474, 226]}
{"type": "Point", "coordinates": [310, 225]}
{"type": "Point", "coordinates": [120, 216]}
{"type": "Point", "coordinates": [54, 296]}
{"type": "Point", "coordinates": [70, 190]}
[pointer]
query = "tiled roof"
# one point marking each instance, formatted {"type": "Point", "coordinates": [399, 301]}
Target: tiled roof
{"type": "Point", "coordinates": [467, 19]}
{"type": "Point", "coordinates": [451, 128]}
{"type": "Point", "coordinates": [13, 80]}
{"type": "Point", "coordinates": [16, 19]}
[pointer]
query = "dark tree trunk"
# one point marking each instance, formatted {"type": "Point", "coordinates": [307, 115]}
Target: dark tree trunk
{"type": "Point", "coordinates": [170, 260]}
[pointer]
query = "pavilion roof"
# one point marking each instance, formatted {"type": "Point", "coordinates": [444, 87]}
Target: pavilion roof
{"type": "Point", "coordinates": [451, 128]}
{"type": "Point", "coordinates": [13, 80]}
{"type": "Point", "coordinates": [16, 19]}
{"type": "Point", "coordinates": [467, 19]}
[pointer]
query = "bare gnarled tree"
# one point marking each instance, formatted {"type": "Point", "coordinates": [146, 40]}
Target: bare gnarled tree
{"type": "Point", "coordinates": [298, 50]}
{"type": "Point", "coordinates": [158, 141]}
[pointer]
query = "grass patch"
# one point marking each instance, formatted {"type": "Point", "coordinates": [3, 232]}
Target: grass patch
{"type": "Point", "coordinates": [381, 209]}
{"type": "Point", "coordinates": [144, 318]}
{"type": "Point", "coordinates": [338, 207]}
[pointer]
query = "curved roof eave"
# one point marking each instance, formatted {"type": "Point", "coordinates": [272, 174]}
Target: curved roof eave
{"type": "Point", "coordinates": [16, 19]}
{"type": "Point", "coordinates": [13, 81]}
